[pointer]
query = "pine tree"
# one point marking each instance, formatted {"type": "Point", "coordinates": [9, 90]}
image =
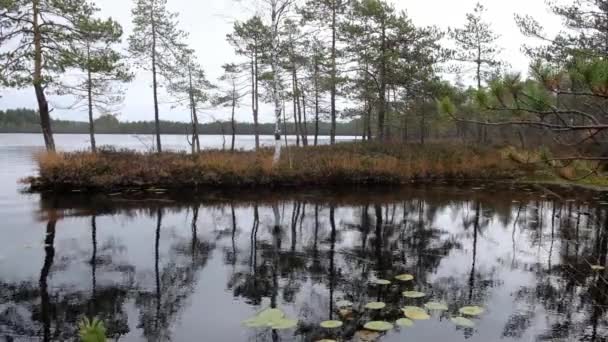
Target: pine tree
{"type": "Point", "coordinates": [35, 37]}
{"type": "Point", "coordinates": [157, 44]}
{"type": "Point", "coordinates": [476, 44]}
{"type": "Point", "coordinates": [585, 32]}
{"type": "Point", "coordinates": [231, 95]}
{"type": "Point", "coordinates": [189, 86]}
{"type": "Point", "coordinates": [251, 39]}
{"type": "Point", "coordinates": [102, 67]}
{"type": "Point", "coordinates": [329, 14]}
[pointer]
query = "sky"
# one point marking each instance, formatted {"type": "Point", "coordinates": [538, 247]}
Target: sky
{"type": "Point", "coordinates": [209, 21]}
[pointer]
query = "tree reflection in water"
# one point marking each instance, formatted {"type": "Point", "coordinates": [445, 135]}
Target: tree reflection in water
{"type": "Point", "coordinates": [304, 255]}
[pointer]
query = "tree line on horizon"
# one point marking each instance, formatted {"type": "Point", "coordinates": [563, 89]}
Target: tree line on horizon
{"type": "Point", "coordinates": [325, 60]}
{"type": "Point", "coordinates": [28, 121]}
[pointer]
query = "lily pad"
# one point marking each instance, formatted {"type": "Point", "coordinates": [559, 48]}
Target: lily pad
{"type": "Point", "coordinates": [375, 305]}
{"type": "Point", "coordinates": [255, 322]}
{"type": "Point", "coordinates": [471, 310]}
{"type": "Point", "coordinates": [270, 314]}
{"type": "Point", "coordinates": [273, 318]}
{"type": "Point", "coordinates": [415, 313]}
{"type": "Point", "coordinates": [598, 267]}
{"type": "Point", "coordinates": [284, 323]}
{"type": "Point", "coordinates": [463, 322]}
{"type": "Point", "coordinates": [331, 324]}
{"type": "Point", "coordinates": [378, 326]}
{"type": "Point", "coordinates": [404, 277]}
{"type": "Point", "coordinates": [413, 294]}
{"type": "Point", "coordinates": [435, 306]}
{"type": "Point", "coordinates": [405, 322]}
{"type": "Point", "coordinates": [382, 282]}
{"type": "Point", "coordinates": [344, 303]}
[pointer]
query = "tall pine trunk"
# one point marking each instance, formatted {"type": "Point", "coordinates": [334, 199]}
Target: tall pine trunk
{"type": "Point", "coordinates": [43, 105]}
{"type": "Point", "coordinates": [159, 147]}
{"type": "Point", "coordinates": [317, 110]}
{"type": "Point", "coordinates": [333, 74]}
{"type": "Point", "coordinates": [255, 97]}
{"type": "Point", "coordinates": [304, 121]}
{"type": "Point", "coordinates": [90, 99]}
{"type": "Point", "coordinates": [276, 84]}
{"type": "Point", "coordinates": [232, 122]}
{"type": "Point", "coordinates": [382, 88]}
{"type": "Point", "coordinates": [196, 142]}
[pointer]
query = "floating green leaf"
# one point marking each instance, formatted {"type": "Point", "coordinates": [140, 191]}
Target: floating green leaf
{"type": "Point", "coordinates": [597, 267]}
{"type": "Point", "coordinates": [435, 306]}
{"type": "Point", "coordinates": [404, 277]}
{"type": "Point", "coordinates": [413, 294]}
{"type": "Point", "coordinates": [463, 322]}
{"type": "Point", "coordinates": [344, 303]}
{"type": "Point", "coordinates": [415, 313]}
{"type": "Point", "coordinates": [331, 324]}
{"type": "Point", "coordinates": [284, 323]}
{"type": "Point", "coordinates": [375, 305]}
{"type": "Point", "coordinates": [382, 282]}
{"type": "Point", "coordinates": [404, 322]}
{"type": "Point", "coordinates": [273, 318]}
{"type": "Point", "coordinates": [471, 310]}
{"type": "Point", "coordinates": [270, 314]}
{"type": "Point", "coordinates": [378, 326]}
{"type": "Point", "coordinates": [255, 322]}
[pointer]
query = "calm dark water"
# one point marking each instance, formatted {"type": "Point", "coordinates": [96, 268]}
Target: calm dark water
{"type": "Point", "coordinates": [176, 269]}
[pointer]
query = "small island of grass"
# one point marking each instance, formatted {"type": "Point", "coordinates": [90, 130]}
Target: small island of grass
{"type": "Point", "coordinates": [347, 164]}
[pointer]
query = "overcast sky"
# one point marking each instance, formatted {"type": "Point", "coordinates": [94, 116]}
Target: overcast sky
{"type": "Point", "coordinates": [208, 22]}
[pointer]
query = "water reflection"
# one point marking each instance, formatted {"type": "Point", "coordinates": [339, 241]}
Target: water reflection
{"type": "Point", "coordinates": [179, 271]}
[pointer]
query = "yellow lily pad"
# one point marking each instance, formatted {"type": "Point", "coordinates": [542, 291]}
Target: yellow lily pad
{"type": "Point", "coordinates": [375, 305]}
{"type": "Point", "coordinates": [273, 318]}
{"type": "Point", "coordinates": [404, 277]}
{"type": "Point", "coordinates": [284, 323]}
{"type": "Point", "coordinates": [270, 314]}
{"type": "Point", "coordinates": [331, 324]}
{"type": "Point", "coordinates": [471, 310]}
{"type": "Point", "coordinates": [463, 322]}
{"type": "Point", "coordinates": [255, 322]}
{"type": "Point", "coordinates": [382, 282]}
{"type": "Point", "coordinates": [415, 313]}
{"type": "Point", "coordinates": [435, 306]}
{"type": "Point", "coordinates": [413, 294]}
{"type": "Point", "coordinates": [404, 322]}
{"type": "Point", "coordinates": [378, 326]}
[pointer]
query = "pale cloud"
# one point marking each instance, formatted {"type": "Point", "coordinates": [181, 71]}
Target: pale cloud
{"type": "Point", "coordinates": [208, 22]}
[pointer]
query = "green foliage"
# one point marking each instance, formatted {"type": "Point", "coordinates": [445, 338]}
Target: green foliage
{"type": "Point", "coordinates": [477, 44]}
{"type": "Point", "coordinates": [156, 36]}
{"type": "Point", "coordinates": [446, 106]}
{"type": "Point", "coordinates": [91, 330]}
{"type": "Point", "coordinates": [62, 20]}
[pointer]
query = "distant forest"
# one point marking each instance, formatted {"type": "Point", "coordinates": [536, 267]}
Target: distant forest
{"type": "Point", "coordinates": [28, 121]}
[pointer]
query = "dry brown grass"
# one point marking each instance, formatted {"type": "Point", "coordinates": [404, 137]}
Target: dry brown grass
{"type": "Point", "coordinates": [343, 164]}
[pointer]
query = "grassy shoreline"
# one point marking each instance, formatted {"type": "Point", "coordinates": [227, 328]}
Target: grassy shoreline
{"type": "Point", "coordinates": [347, 164]}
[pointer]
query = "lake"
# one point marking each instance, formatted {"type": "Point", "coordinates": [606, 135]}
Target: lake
{"type": "Point", "coordinates": [168, 268]}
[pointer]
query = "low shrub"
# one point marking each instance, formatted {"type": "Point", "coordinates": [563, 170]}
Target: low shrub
{"type": "Point", "coordinates": [342, 164]}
